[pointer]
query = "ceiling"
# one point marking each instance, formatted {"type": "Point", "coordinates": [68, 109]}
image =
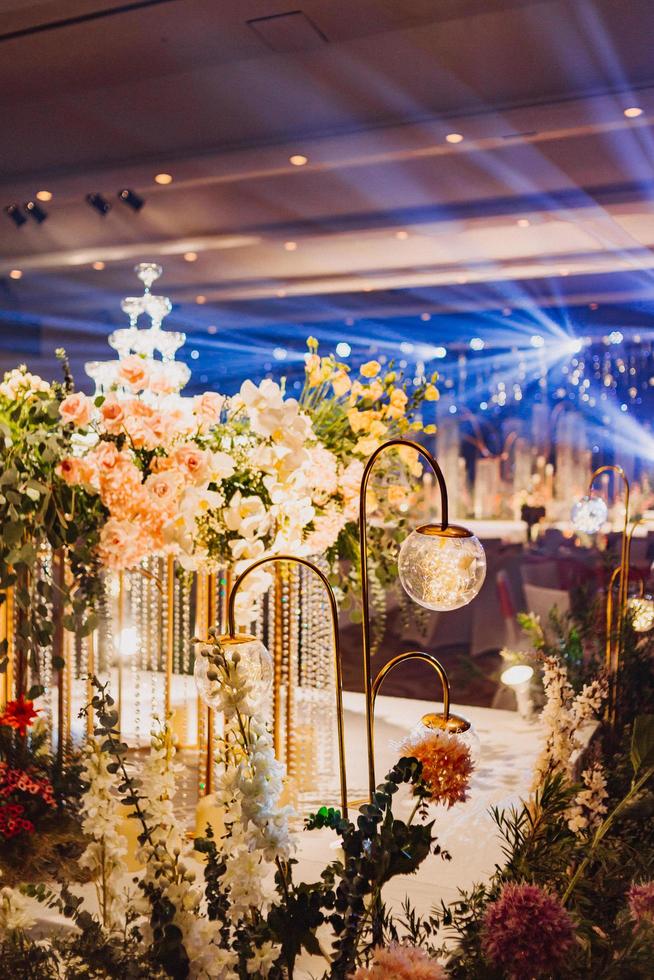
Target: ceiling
{"type": "Point", "coordinates": [546, 202]}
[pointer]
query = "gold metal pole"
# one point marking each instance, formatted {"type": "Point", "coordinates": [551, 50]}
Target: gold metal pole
{"type": "Point", "coordinates": [121, 623]}
{"type": "Point", "coordinates": [7, 634]}
{"type": "Point", "coordinates": [90, 671]}
{"type": "Point", "coordinates": [170, 632]}
{"type": "Point", "coordinates": [363, 554]}
{"type": "Point", "coordinates": [338, 667]}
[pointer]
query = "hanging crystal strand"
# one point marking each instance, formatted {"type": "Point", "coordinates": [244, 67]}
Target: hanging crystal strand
{"type": "Point", "coordinates": [201, 711]}
{"type": "Point", "coordinates": [45, 574]}
{"type": "Point", "coordinates": [139, 660]}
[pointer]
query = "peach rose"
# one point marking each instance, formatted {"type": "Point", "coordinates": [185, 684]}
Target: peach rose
{"type": "Point", "coordinates": [164, 488]}
{"type": "Point", "coordinates": [133, 372]}
{"type": "Point", "coordinates": [207, 408]}
{"type": "Point", "coordinates": [120, 544]}
{"type": "Point", "coordinates": [76, 408]}
{"type": "Point", "coordinates": [341, 384]}
{"type": "Point", "coordinates": [193, 462]}
{"type": "Point", "coordinates": [370, 369]}
{"type": "Point", "coordinates": [75, 471]}
{"type": "Point", "coordinates": [113, 415]}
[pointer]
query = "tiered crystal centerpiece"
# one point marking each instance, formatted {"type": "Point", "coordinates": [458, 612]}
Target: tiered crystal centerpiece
{"type": "Point", "coordinates": [153, 343]}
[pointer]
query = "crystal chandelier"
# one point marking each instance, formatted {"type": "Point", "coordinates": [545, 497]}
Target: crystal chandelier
{"type": "Point", "coordinates": [167, 374]}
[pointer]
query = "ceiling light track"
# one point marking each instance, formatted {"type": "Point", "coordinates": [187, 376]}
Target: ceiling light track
{"type": "Point", "coordinates": [55, 25]}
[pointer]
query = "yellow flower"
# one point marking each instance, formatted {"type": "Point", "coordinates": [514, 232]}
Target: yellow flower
{"type": "Point", "coordinates": [341, 384]}
{"type": "Point", "coordinates": [377, 428]}
{"type": "Point", "coordinates": [429, 430]}
{"type": "Point", "coordinates": [312, 343]}
{"type": "Point", "coordinates": [356, 392]}
{"type": "Point", "coordinates": [411, 460]}
{"type": "Point", "coordinates": [375, 390]}
{"type": "Point", "coordinates": [356, 419]}
{"type": "Point", "coordinates": [390, 377]}
{"type": "Point", "coordinates": [397, 403]}
{"type": "Point", "coordinates": [396, 495]}
{"type": "Point", "coordinates": [434, 377]}
{"type": "Point", "coordinates": [431, 394]}
{"type": "Point", "coordinates": [366, 446]}
{"type": "Point", "coordinates": [370, 369]}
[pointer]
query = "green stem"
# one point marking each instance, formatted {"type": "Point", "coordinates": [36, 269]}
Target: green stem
{"type": "Point", "coordinates": [604, 828]}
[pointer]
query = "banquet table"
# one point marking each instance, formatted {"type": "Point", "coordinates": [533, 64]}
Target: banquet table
{"type": "Point", "coordinates": [502, 776]}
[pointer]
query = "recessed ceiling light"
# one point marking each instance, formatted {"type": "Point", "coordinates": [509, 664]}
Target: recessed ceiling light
{"type": "Point", "coordinates": [163, 178]}
{"type": "Point", "coordinates": [290, 246]}
{"type": "Point", "coordinates": [200, 299]}
{"type": "Point", "coordinates": [15, 274]}
{"type": "Point", "coordinates": [454, 138]}
{"type": "Point", "coordinates": [298, 160]}
{"type": "Point", "coordinates": [367, 289]}
{"type": "Point", "coordinates": [564, 272]}
{"type": "Point", "coordinates": [462, 279]}
{"type": "Point", "coordinates": [281, 293]}
{"type": "Point", "coordinates": [98, 266]}
{"type": "Point", "coordinates": [190, 256]}
{"type": "Point", "coordinates": [425, 316]}
{"type": "Point", "coordinates": [44, 195]}
{"type": "Point", "coordinates": [523, 222]}
{"type": "Point", "coordinates": [633, 112]}
{"type": "Point", "coordinates": [212, 328]}
{"type": "Point", "coordinates": [402, 235]}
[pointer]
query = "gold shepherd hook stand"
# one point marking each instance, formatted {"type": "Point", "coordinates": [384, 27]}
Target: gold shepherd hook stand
{"type": "Point", "coordinates": [445, 721]}
{"type": "Point", "coordinates": [233, 635]}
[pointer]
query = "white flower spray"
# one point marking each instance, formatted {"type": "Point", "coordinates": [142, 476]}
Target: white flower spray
{"type": "Point", "coordinates": [101, 817]}
{"type": "Point", "coordinates": [563, 717]}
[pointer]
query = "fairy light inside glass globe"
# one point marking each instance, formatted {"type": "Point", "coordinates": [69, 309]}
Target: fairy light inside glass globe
{"type": "Point", "coordinates": [642, 613]}
{"type": "Point", "coordinates": [588, 515]}
{"type": "Point", "coordinates": [255, 663]}
{"type": "Point", "coordinates": [442, 568]}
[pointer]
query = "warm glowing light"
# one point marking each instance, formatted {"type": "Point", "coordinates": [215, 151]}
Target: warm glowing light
{"type": "Point", "coordinates": [128, 642]}
{"type": "Point", "coordinates": [454, 138]}
{"type": "Point", "coordinates": [281, 293]}
{"type": "Point", "coordinates": [588, 515]}
{"type": "Point", "coordinates": [280, 353]}
{"type": "Point", "coordinates": [44, 195]}
{"type": "Point", "coordinates": [290, 246]}
{"type": "Point", "coordinates": [633, 112]}
{"type": "Point", "coordinates": [201, 300]}
{"type": "Point", "coordinates": [343, 349]}
{"type": "Point", "coordinates": [212, 328]}
{"type": "Point", "coordinates": [441, 570]}
{"type": "Point", "coordinates": [298, 160]}
{"type": "Point", "coordinates": [190, 256]}
{"type": "Point", "coordinates": [402, 235]}
{"type": "Point", "coordinates": [537, 340]}
{"type": "Point", "coordinates": [163, 178]}
{"type": "Point", "coordinates": [642, 613]}
{"type": "Point", "coordinates": [477, 344]}
{"type": "Point", "coordinates": [98, 266]}
{"type": "Point", "coordinates": [439, 352]}
{"type": "Point", "coordinates": [523, 222]}
{"type": "Point", "coordinates": [517, 675]}
{"type": "Point", "coordinates": [426, 317]}
{"type": "Point", "coordinates": [16, 274]}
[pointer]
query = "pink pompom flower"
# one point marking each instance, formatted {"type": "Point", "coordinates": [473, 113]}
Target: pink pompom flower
{"type": "Point", "coordinates": [527, 932]}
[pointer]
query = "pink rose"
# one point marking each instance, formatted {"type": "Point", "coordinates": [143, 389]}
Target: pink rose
{"type": "Point", "coordinates": [133, 372]}
{"type": "Point", "coordinates": [106, 456]}
{"type": "Point", "coordinates": [161, 384]}
{"type": "Point", "coordinates": [113, 415]}
{"type": "Point", "coordinates": [76, 408]}
{"type": "Point", "coordinates": [193, 462]}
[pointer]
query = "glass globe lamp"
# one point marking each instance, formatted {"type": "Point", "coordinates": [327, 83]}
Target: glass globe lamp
{"type": "Point", "coordinates": [642, 613]}
{"type": "Point", "coordinates": [255, 663]}
{"type": "Point", "coordinates": [453, 725]}
{"type": "Point", "coordinates": [588, 515]}
{"type": "Point", "coordinates": [442, 568]}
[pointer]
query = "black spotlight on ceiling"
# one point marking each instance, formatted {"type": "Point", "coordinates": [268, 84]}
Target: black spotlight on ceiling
{"type": "Point", "coordinates": [131, 199]}
{"type": "Point", "coordinates": [98, 203]}
{"type": "Point", "coordinates": [16, 215]}
{"type": "Point", "coordinates": [35, 211]}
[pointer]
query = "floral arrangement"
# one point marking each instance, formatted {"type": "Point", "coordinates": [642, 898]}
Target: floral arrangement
{"type": "Point", "coordinates": [216, 480]}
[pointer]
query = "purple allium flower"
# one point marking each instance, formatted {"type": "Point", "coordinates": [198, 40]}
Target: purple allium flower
{"type": "Point", "coordinates": [641, 901]}
{"type": "Point", "coordinates": [526, 931]}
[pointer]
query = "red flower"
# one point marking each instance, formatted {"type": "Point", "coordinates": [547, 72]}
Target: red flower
{"type": "Point", "coordinates": [19, 714]}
